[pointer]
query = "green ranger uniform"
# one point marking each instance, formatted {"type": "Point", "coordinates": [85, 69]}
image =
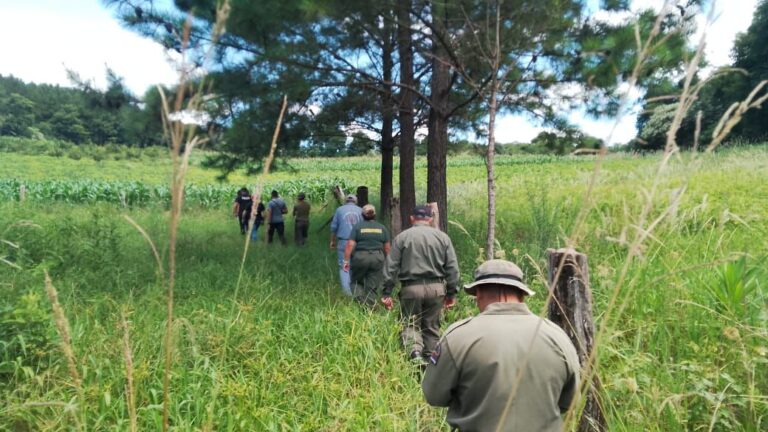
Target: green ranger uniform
{"type": "Point", "coordinates": [423, 260]}
{"type": "Point", "coordinates": [503, 352]}
{"type": "Point", "coordinates": [367, 260]}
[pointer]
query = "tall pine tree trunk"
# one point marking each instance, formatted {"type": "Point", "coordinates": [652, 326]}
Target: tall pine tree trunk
{"type": "Point", "coordinates": [406, 117]}
{"type": "Point", "coordinates": [387, 120]}
{"type": "Point", "coordinates": [437, 140]}
{"type": "Point", "coordinates": [495, 63]}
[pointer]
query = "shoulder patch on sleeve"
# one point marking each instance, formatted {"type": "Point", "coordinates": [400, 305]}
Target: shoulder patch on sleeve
{"type": "Point", "coordinates": [435, 356]}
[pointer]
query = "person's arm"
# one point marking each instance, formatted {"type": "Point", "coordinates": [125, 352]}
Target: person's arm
{"type": "Point", "coordinates": [269, 215]}
{"type": "Point", "coordinates": [441, 376]}
{"type": "Point", "coordinates": [451, 271]}
{"type": "Point", "coordinates": [387, 248]}
{"type": "Point", "coordinates": [391, 272]}
{"type": "Point", "coordinates": [348, 248]}
{"type": "Point", "coordinates": [235, 209]}
{"type": "Point", "coordinates": [571, 387]}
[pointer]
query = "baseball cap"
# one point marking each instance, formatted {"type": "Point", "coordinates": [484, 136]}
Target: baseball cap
{"type": "Point", "coordinates": [500, 272]}
{"type": "Point", "coordinates": [352, 198]}
{"type": "Point", "coordinates": [370, 210]}
{"type": "Point", "coordinates": [422, 212]}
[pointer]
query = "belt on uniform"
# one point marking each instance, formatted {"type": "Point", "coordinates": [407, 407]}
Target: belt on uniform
{"type": "Point", "coordinates": [427, 281]}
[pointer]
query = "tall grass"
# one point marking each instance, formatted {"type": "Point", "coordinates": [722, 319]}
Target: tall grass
{"type": "Point", "coordinates": [300, 357]}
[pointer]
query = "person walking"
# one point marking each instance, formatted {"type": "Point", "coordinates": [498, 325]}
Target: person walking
{"type": "Point", "coordinates": [344, 219]}
{"type": "Point", "coordinates": [242, 209]}
{"type": "Point", "coordinates": [367, 247]}
{"type": "Point", "coordinates": [258, 220]}
{"type": "Point", "coordinates": [504, 369]}
{"type": "Point", "coordinates": [276, 208]}
{"type": "Point", "coordinates": [301, 220]}
{"type": "Point", "coordinates": [424, 261]}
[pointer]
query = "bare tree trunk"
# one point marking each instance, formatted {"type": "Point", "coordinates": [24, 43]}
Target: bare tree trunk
{"type": "Point", "coordinates": [406, 117]}
{"type": "Point", "coordinates": [495, 63]}
{"type": "Point", "coordinates": [387, 120]}
{"type": "Point", "coordinates": [489, 160]}
{"type": "Point", "coordinates": [437, 139]}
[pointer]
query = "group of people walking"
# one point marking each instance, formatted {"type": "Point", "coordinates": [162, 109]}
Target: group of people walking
{"type": "Point", "coordinates": [276, 210]}
{"type": "Point", "coordinates": [504, 369]}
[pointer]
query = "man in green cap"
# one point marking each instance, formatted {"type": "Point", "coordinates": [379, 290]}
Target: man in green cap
{"type": "Point", "coordinates": [364, 255]}
{"type": "Point", "coordinates": [504, 369]}
{"type": "Point", "coordinates": [424, 262]}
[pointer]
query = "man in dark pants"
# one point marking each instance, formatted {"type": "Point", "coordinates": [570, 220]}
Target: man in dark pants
{"type": "Point", "coordinates": [424, 261]}
{"type": "Point", "coordinates": [275, 211]}
{"type": "Point", "coordinates": [367, 247]}
{"type": "Point", "coordinates": [242, 209]}
{"type": "Point", "coordinates": [301, 220]}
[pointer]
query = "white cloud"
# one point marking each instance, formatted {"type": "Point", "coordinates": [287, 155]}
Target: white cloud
{"type": "Point", "coordinates": [516, 128]}
{"type": "Point", "coordinates": [42, 39]}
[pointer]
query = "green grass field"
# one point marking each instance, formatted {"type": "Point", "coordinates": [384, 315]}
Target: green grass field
{"type": "Point", "coordinates": [683, 347]}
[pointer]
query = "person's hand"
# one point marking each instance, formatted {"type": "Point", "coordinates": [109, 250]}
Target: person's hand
{"type": "Point", "coordinates": [387, 302]}
{"type": "Point", "coordinates": [345, 266]}
{"type": "Point", "coordinates": [449, 302]}
{"type": "Point", "coordinates": [333, 244]}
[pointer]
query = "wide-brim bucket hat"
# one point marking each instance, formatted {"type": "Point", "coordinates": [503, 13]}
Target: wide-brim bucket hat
{"type": "Point", "coordinates": [498, 272]}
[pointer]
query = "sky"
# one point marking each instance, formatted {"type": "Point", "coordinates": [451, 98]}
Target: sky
{"type": "Point", "coordinates": [41, 39]}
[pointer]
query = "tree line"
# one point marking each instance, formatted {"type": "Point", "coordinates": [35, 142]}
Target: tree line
{"type": "Point", "coordinates": [719, 91]}
{"type": "Point", "coordinates": [81, 114]}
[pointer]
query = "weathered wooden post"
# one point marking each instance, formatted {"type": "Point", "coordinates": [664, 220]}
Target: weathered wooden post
{"type": "Point", "coordinates": [571, 309]}
{"type": "Point", "coordinates": [362, 195]}
{"type": "Point", "coordinates": [395, 224]}
{"type": "Point", "coordinates": [22, 193]}
{"type": "Point", "coordinates": [338, 193]}
{"type": "Point", "coordinates": [435, 215]}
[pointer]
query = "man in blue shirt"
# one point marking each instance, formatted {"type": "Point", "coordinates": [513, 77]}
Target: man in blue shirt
{"type": "Point", "coordinates": [344, 219]}
{"type": "Point", "coordinates": [275, 211]}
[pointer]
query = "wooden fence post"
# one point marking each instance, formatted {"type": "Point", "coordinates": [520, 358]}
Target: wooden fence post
{"type": "Point", "coordinates": [435, 215]}
{"type": "Point", "coordinates": [22, 193]}
{"type": "Point", "coordinates": [571, 309]}
{"type": "Point", "coordinates": [395, 224]}
{"type": "Point", "coordinates": [362, 195]}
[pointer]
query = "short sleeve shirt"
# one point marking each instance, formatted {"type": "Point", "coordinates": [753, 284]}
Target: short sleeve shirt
{"type": "Point", "coordinates": [259, 210]}
{"type": "Point", "coordinates": [301, 211]}
{"type": "Point", "coordinates": [277, 205]}
{"type": "Point", "coordinates": [245, 202]}
{"type": "Point", "coordinates": [369, 235]}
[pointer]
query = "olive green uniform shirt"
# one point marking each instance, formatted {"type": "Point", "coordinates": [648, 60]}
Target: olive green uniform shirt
{"type": "Point", "coordinates": [301, 211]}
{"type": "Point", "coordinates": [369, 235]}
{"type": "Point", "coordinates": [474, 371]}
{"type": "Point", "coordinates": [421, 253]}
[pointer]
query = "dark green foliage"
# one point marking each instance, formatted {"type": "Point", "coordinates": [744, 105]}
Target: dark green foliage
{"type": "Point", "coordinates": [80, 115]}
{"type": "Point", "coordinates": [721, 91]}
{"type": "Point", "coordinates": [26, 334]}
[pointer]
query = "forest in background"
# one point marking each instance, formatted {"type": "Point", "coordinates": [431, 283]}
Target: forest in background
{"type": "Point", "coordinates": [349, 121]}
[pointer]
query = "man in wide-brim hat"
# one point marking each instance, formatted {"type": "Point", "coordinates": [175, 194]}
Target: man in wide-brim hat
{"type": "Point", "coordinates": [504, 369]}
